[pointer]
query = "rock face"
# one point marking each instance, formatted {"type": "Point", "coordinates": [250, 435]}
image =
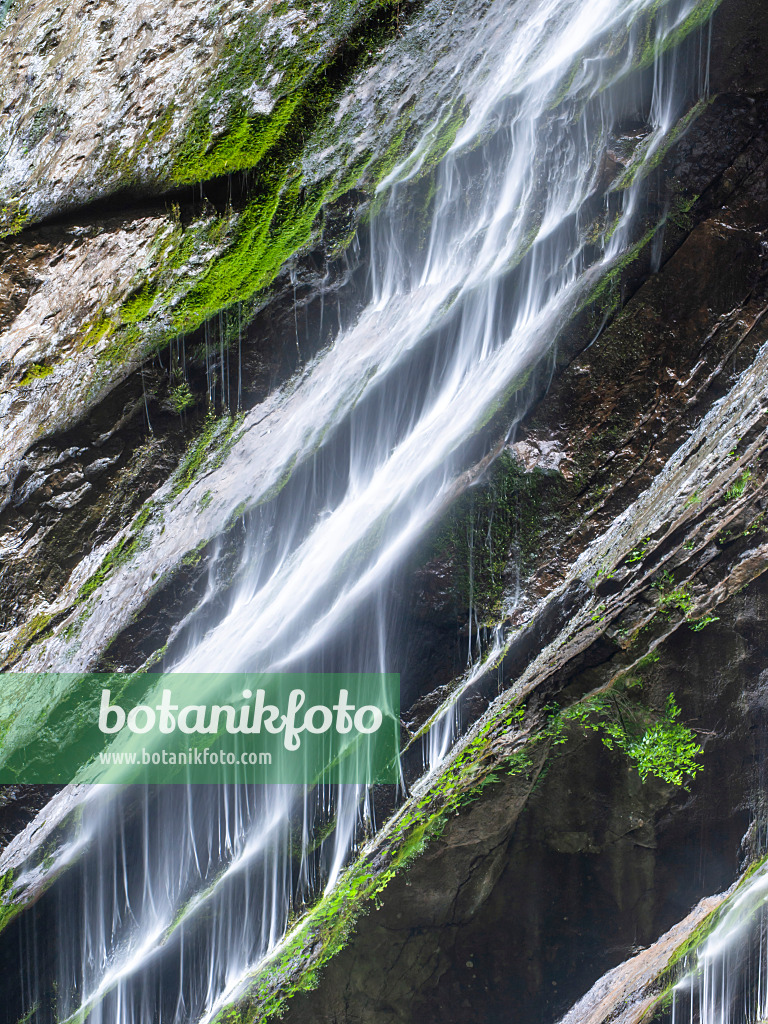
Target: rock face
{"type": "Point", "coordinates": [102, 97]}
{"type": "Point", "coordinates": [95, 95]}
{"type": "Point", "coordinates": [496, 926]}
{"type": "Point", "coordinates": [625, 995]}
{"type": "Point", "coordinates": [58, 283]}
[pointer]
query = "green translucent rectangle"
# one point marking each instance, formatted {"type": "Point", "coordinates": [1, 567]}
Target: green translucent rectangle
{"type": "Point", "coordinates": [199, 728]}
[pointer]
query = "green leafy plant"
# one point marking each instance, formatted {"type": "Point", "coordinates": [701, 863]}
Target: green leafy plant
{"type": "Point", "coordinates": [660, 746]}
{"type": "Point", "coordinates": [598, 614]}
{"type": "Point", "coordinates": [181, 397]}
{"type": "Point", "coordinates": [638, 554]}
{"type": "Point", "coordinates": [672, 597]}
{"type": "Point", "coordinates": [699, 624]}
{"type": "Point", "coordinates": [666, 749]}
{"type": "Point", "coordinates": [680, 599]}
{"type": "Point", "coordinates": [603, 573]}
{"type": "Point", "coordinates": [755, 526]}
{"type": "Point", "coordinates": [739, 487]}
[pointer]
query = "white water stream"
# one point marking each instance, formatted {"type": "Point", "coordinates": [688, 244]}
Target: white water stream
{"type": "Point", "coordinates": [727, 979]}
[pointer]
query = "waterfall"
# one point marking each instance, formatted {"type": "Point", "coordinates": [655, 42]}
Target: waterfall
{"type": "Point", "coordinates": [181, 891]}
{"type": "Point", "coordinates": [726, 980]}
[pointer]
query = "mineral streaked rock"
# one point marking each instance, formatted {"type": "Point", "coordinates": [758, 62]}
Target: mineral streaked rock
{"type": "Point", "coordinates": [96, 94]}
{"type": "Point", "coordinates": [626, 994]}
{"type": "Point", "coordinates": [50, 370]}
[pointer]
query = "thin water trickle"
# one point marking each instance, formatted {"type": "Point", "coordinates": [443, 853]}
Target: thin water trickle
{"type": "Point", "coordinates": [182, 892]}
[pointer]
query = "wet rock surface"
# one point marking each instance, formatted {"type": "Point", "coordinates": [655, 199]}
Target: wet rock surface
{"type": "Point", "coordinates": [18, 806]}
{"type": "Point", "coordinates": [57, 282]}
{"type": "Point", "coordinates": [532, 941]}
{"type": "Point", "coordinates": [103, 97]}
{"type": "Point", "coordinates": [73, 491]}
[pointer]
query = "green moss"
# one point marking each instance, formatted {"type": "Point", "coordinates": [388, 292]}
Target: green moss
{"type": "Point", "coordinates": [383, 165]}
{"type": "Point", "coordinates": [210, 448]}
{"type": "Point", "coordinates": [488, 525]}
{"type": "Point", "coordinates": [698, 17]}
{"type": "Point", "coordinates": [102, 327]}
{"type": "Point", "coordinates": [46, 120]}
{"type": "Point", "coordinates": [605, 294]}
{"type": "Point", "coordinates": [8, 910]}
{"type": "Point", "coordinates": [125, 343]}
{"type": "Point", "coordinates": [642, 165]}
{"type": "Point", "coordinates": [236, 514]}
{"type": "Point", "coordinates": [35, 372]}
{"type": "Point", "coordinates": [437, 145]}
{"type": "Point", "coordinates": [305, 93]}
{"type": "Point", "coordinates": [737, 489]}
{"type": "Point", "coordinates": [37, 628]}
{"type": "Point", "coordinates": [676, 966]}
{"type": "Point", "coordinates": [326, 928]}
{"type": "Point", "coordinates": [695, 939]}
{"type": "Point", "coordinates": [195, 455]}
{"type": "Point", "coordinates": [14, 217]}
{"type": "Point", "coordinates": [144, 515]}
{"type": "Point", "coordinates": [193, 557]}
{"type": "Point", "coordinates": [282, 214]}
{"type": "Point", "coordinates": [245, 250]}
{"type": "Point", "coordinates": [641, 33]}
{"type": "Point", "coordinates": [245, 142]}
{"type": "Point", "coordinates": [137, 306]}
{"type": "Point", "coordinates": [272, 227]}
{"type": "Point", "coordinates": [680, 213]}
{"type": "Point", "coordinates": [120, 554]}
{"type": "Point", "coordinates": [159, 128]}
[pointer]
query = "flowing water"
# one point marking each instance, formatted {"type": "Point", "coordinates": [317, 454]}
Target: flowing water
{"type": "Point", "coordinates": [181, 891]}
{"type": "Point", "coordinates": [727, 977]}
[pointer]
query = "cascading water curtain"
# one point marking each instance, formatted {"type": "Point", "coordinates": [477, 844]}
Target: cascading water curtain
{"type": "Point", "coordinates": [163, 900]}
{"type": "Point", "coordinates": [726, 978]}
